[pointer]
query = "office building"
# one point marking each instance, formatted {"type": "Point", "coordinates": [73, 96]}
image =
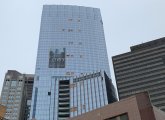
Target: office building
{"type": "Point", "coordinates": [142, 69]}
{"type": "Point", "coordinates": [15, 93]}
{"type": "Point", "coordinates": [28, 88]}
{"type": "Point", "coordinates": [137, 107]}
{"type": "Point", "coordinates": [72, 64]}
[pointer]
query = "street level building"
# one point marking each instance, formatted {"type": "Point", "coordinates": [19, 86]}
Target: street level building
{"type": "Point", "coordinates": [137, 107]}
{"type": "Point", "coordinates": [2, 111]}
{"type": "Point", "coordinates": [142, 69]}
{"type": "Point", "coordinates": [72, 73]}
{"type": "Point", "coordinates": [15, 94]}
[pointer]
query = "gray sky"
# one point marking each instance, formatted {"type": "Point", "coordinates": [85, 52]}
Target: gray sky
{"type": "Point", "coordinates": [126, 23]}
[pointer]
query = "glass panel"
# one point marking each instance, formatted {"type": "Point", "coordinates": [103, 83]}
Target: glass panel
{"type": "Point", "coordinates": [7, 83]}
{"type": "Point", "coordinates": [20, 83]}
{"type": "Point", "coordinates": [121, 117]}
{"type": "Point", "coordinates": [13, 83]}
{"type": "Point", "coordinates": [124, 117]}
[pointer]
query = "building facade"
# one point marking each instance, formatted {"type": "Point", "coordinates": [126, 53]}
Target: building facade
{"type": "Point", "coordinates": [142, 69]}
{"type": "Point", "coordinates": [14, 95]}
{"type": "Point", "coordinates": [28, 89]}
{"type": "Point", "coordinates": [137, 107]}
{"type": "Point", "coordinates": [71, 52]}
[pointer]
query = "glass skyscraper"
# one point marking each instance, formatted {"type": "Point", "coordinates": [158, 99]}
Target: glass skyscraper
{"type": "Point", "coordinates": [72, 71]}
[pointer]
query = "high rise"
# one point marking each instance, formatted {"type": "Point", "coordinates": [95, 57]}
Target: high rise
{"type": "Point", "coordinates": [142, 69]}
{"type": "Point", "coordinates": [16, 93]}
{"type": "Point", "coordinates": [72, 64]}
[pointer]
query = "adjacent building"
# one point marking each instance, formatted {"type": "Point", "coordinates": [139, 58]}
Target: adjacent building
{"type": "Point", "coordinates": [28, 88]}
{"type": "Point", "coordinates": [142, 69]}
{"type": "Point", "coordinates": [16, 91]}
{"type": "Point", "coordinates": [2, 111]}
{"type": "Point", "coordinates": [137, 107]}
{"type": "Point", "coordinates": [72, 73]}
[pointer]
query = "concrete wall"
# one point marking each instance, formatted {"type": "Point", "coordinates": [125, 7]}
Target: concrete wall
{"type": "Point", "coordinates": [159, 115]}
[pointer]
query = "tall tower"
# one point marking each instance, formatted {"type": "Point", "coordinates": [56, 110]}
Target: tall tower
{"type": "Point", "coordinates": [71, 57]}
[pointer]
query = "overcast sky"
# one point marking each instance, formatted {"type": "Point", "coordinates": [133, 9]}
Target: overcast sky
{"type": "Point", "coordinates": [126, 23]}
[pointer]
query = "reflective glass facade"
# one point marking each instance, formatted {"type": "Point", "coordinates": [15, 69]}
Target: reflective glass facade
{"type": "Point", "coordinates": [89, 92]}
{"type": "Point", "coordinates": [71, 45]}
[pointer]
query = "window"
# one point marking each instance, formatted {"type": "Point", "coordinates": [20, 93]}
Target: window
{"type": "Point", "coordinates": [67, 55]}
{"type": "Point", "coordinates": [38, 77]}
{"type": "Point", "coordinates": [124, 117]}
{"type": "Point", "coordinates": [72, 73]}
{"type": "Point", "coordinates": [20, 83]}
{"type": "Point", "coordinates": [80, 43]}
{"type": "Point", "coordinates": [70, 30]}
{"type": "Point", "coordinates": [73, 109]}
{"type": "Point", "coordinates": [17, 100]}
{"type": "Point", "coordinates": [14, 83]}
{"type": "Point", "coordinates": [7, 82]}
{"type": "Point", "coordinates": [69, 19]}
{"type": "Point", "coordinates": [70, 43]}
{"type": "Point", "coordinates": [49, 93]}
{"type": "Point", "coordinates": [19, 88]}
{"type": "Point", "coordinates": [120, 117]}
{"type": "Point", "coordinates": [18, 97]}
{"type": "Point", "coordinates": [6, 88]}
{"type": "Point", "coordinates": [67, 73]}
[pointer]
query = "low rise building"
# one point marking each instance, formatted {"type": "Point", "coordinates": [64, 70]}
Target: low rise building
{"type": "Point", "coordinates": [136, 107]}
{"type": "Point", "coordinates": [2, 111]}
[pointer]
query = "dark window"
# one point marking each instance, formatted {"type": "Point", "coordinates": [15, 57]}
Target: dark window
{"type": "Point", "coordinates": [120, 117]}
{"type": "Point", "coordinates": [38, 78]}
{"type": "Point", "coordinates": [124, 117]}
{"type": "Point", "coordinates": [70, 19]}
{"type": "Point", "coordinates": [30, 81]}
{"type": "Point", "coordinates": [49, 93]}
{"type": "Point", "coordinates": [70, 30]}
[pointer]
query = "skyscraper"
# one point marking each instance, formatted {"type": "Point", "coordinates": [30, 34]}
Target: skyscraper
{"type": "Point", "coordinates": [142, 69]}
{"type": "Point", "coordinates": [72, 64]}
{"type": "Point", "coordinates": [16, 92]}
